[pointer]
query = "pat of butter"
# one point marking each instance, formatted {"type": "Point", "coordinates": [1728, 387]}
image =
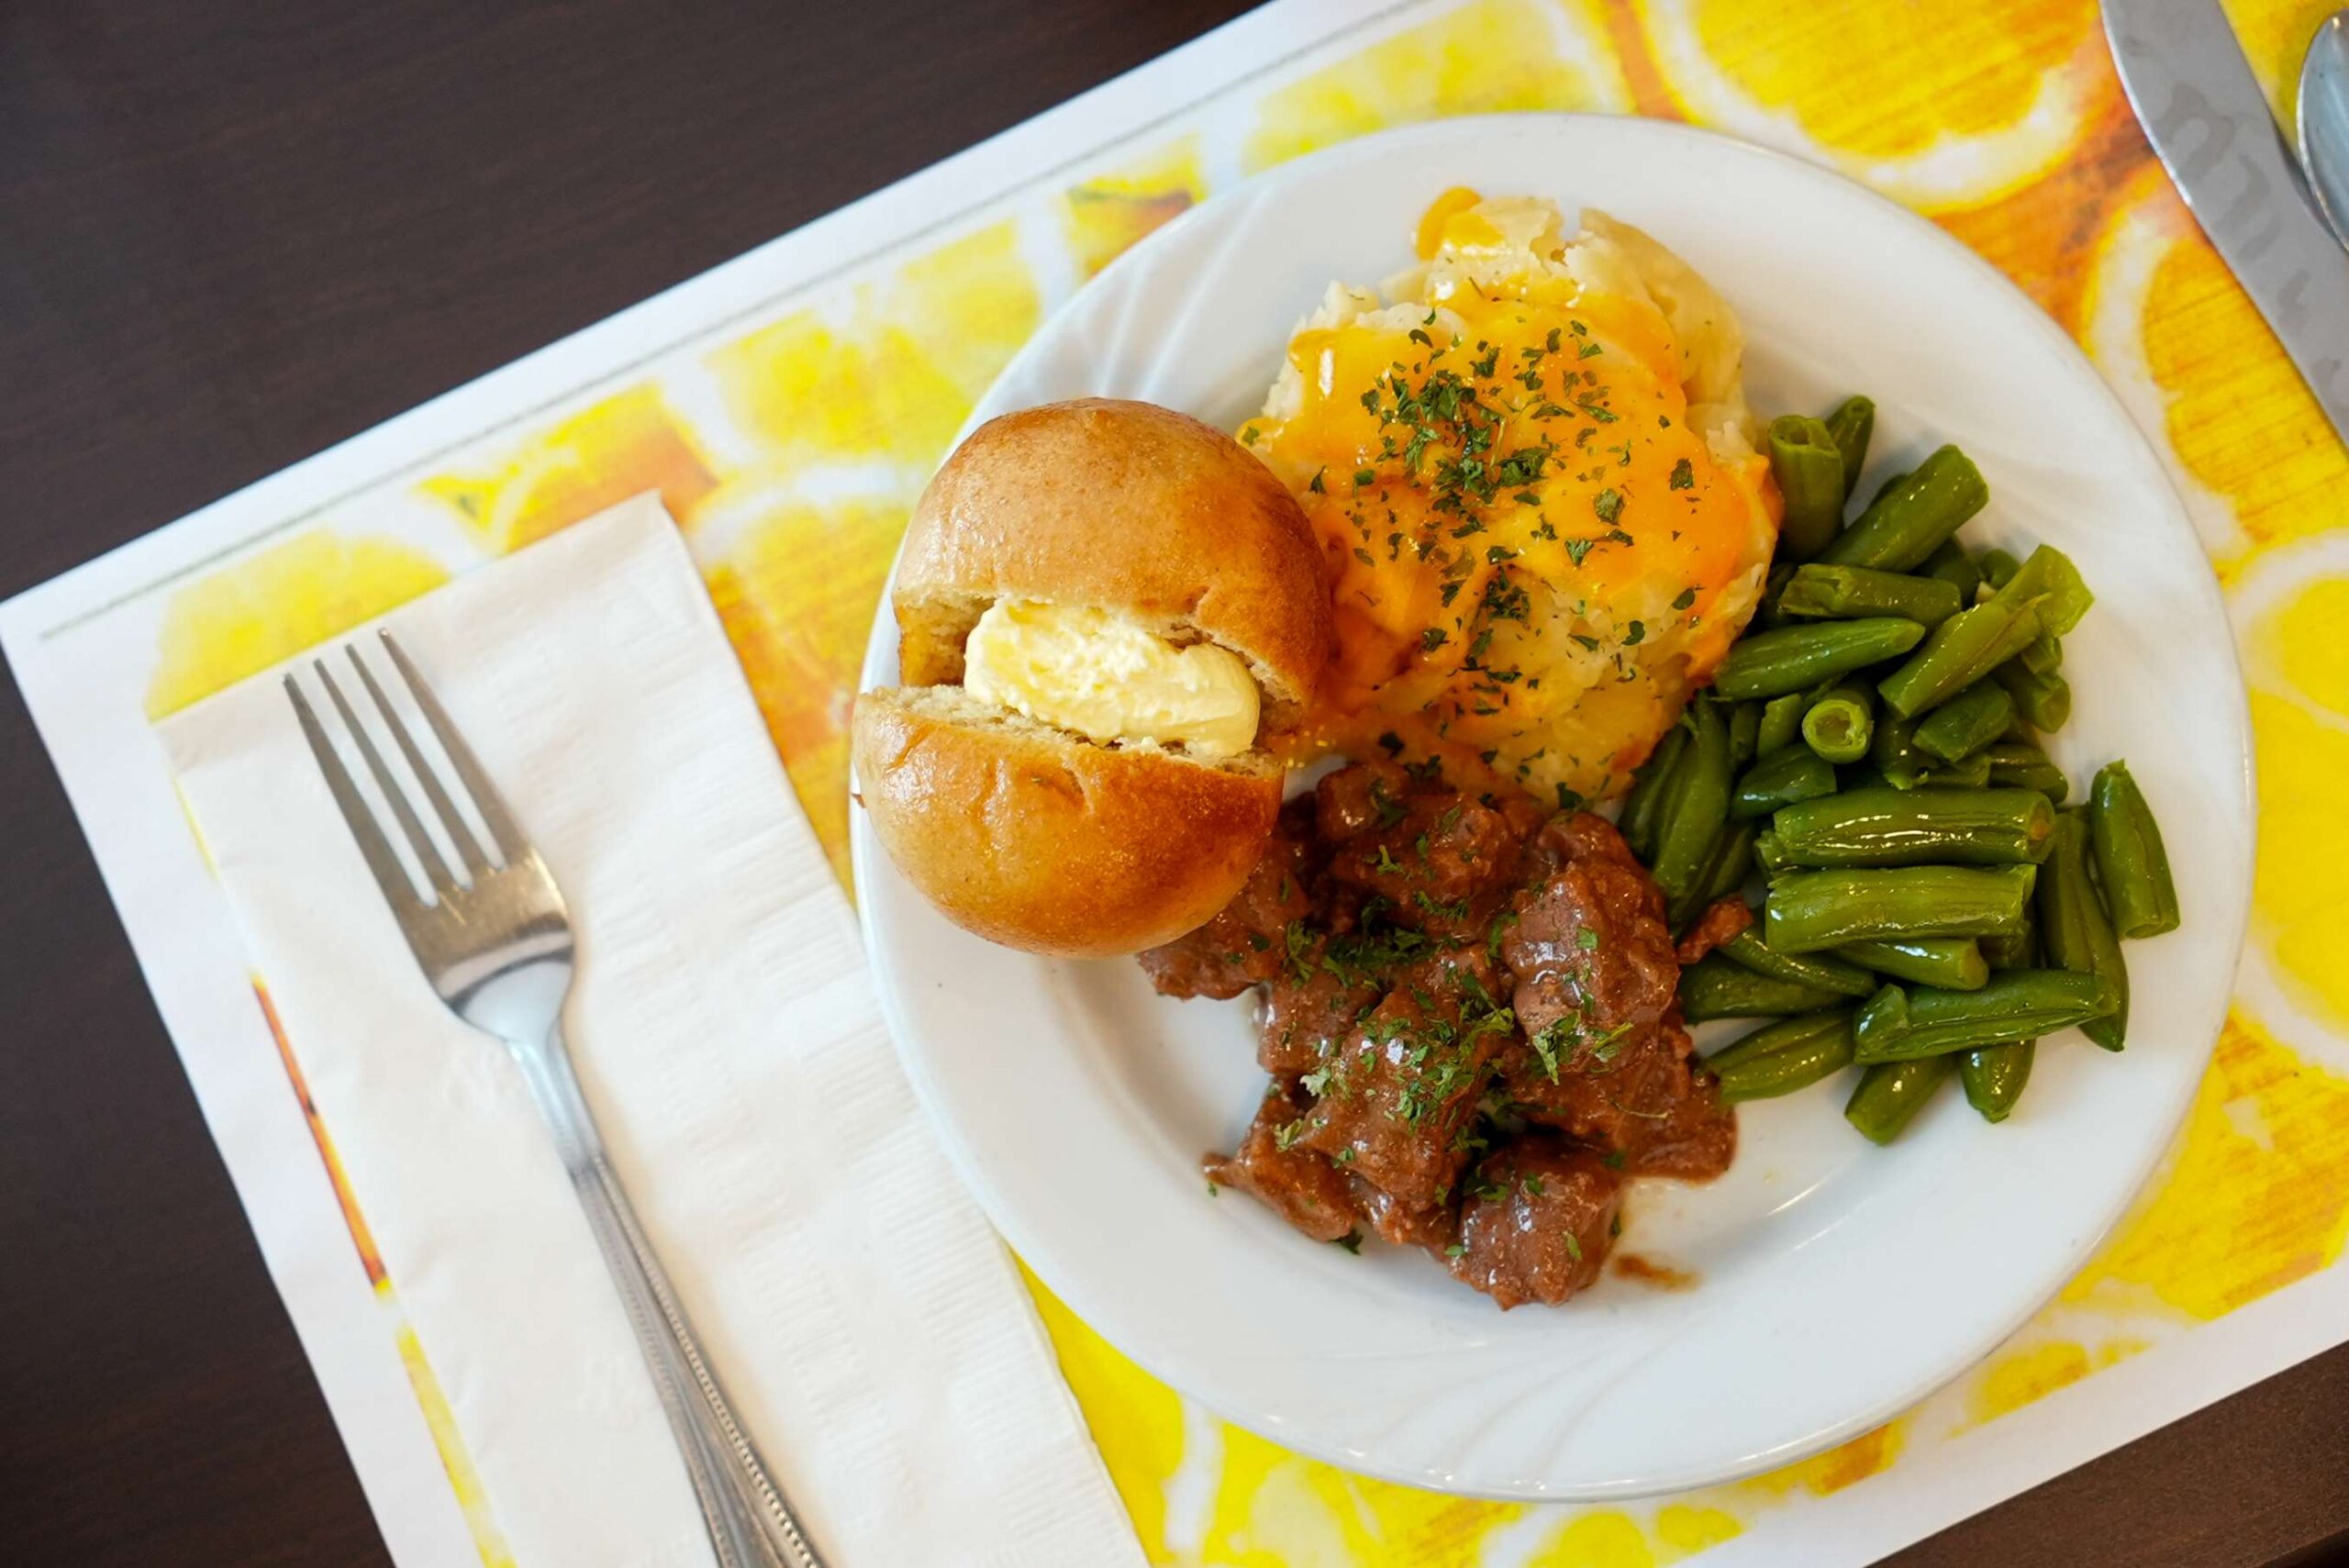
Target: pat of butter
{"type": "Point", "coordinates": [1110, 678]}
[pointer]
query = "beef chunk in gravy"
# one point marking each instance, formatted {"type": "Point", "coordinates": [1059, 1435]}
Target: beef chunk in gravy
{"type": "Point", "coordinates": [1537, 1220]}
{"type": "Point", "coordinates": [1303, 1187]}
{"type": "Point", "coordinates": [1467, 1007]}
{"type": "Point", "coordinates": [1394, 1103]}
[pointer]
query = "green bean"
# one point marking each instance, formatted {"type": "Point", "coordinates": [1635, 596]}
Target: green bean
{"type": "Point", "coordinates": [2049, 580]}
{"type": "Point", "coordinates": [1994, 1076]}
{"type": "Point", "coordinates": [1998, 567]}
{"type": "Point", "coordinates": [1890, 1094]}
{"type": "Point", "coordinates": [1810, 911]}
{"type": "Point", "coordinates": [1651, 784]}
{"type": "Point", "coordinates": [1780, 1058]}
{"type": "Point", "coordinates": [1732, 861]}
{"type": "Point", "coordinates": [1949, 563]}
{"type": "Point", "coordinates": [2044, 656]}
{"type": "Point", "coordinates": [1809, 470]}
{"type": "Point", "coordinates": [2021, 765]}
{"type": "Point", "coordinates": [1968, 772]}
{"type": "Point", "coordinates": [1851, 424]}
{"type": "Point", "coordinates": [2074, 930]}
{"type": "Point", "coordinates": [1769, 854]}
{"type": "Point", "coordinates": [1907, 522]}
{"type": "Point", "coordinates": [1698, 806]}
{"type": "Point", "coordinates": [1765, 612]}
{"type": "Point", "coordinates": [1899, 1023]}
{"type": "Point", "coordinates": [2130, 860]}
{"type": "Point", "coordinates": [1892, 752]}
{"type": "Point", "coordinates": [1790, 773]}
{"type": "Point", "coordinates": [1839, 726]}
{"type": "Point", "coordinates": [2044, 702]}
{"type": "Point", "coordinates": [1961, 651]}
{"type": "Point", "coordinates": [1820, 971]}
{"type": "Point", "coordinates": [1781, 723]}
{"type": "Point", "coordinates": [1848, 593]}
{"type": "Point", "coordinates": [1744, 733]}
{"type": "Point", "coordinates": [1966, 723]}
{"type": "Point", "coordinates": [1915, 826]}
{"type": "Point", "coordinates": [1791, 657]}
{"type": "Point", "coordinates": [1713, 987]}
{"type": "Point", "coordinates": [1727, 865]}
{"type": "Point", "coordinates": [2019, 950]}
{"type": "Point", "coordinates": [1862, 775]}
{"type": "Point", "coordinates": [1950, 964]}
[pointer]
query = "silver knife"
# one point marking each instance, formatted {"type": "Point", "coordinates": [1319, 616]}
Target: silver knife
{"type": "Point", "coordinates": [2194, 93]}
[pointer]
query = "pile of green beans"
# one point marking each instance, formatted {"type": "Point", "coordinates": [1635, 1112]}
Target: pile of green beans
{"type": "Point", "coordinates": [1872, 749]}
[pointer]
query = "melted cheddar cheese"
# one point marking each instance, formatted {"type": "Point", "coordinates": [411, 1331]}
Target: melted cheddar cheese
{"type": "Point", "coordinates": [1533, 480]}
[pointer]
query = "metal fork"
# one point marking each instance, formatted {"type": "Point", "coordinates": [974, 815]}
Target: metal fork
{"type": "Point", "coordinates": [496, 945]}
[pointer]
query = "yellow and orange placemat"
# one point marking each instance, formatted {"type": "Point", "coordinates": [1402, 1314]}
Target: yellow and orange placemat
{"type": "Point", "coordinates": [788, 408]}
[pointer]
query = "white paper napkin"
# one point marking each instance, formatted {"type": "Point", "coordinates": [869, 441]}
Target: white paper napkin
{"type": "Point", "coordinates": [869, 1325]}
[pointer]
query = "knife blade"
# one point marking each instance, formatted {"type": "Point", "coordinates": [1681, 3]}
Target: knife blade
{"type": "Point", "coordinates": [2194, 93]}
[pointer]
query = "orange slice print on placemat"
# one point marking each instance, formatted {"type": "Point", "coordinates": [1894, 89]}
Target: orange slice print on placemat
{"type": "Point", "coordinates": [797, 590]}
{"type": "Point", "coordinates": [2275, 37]}
{"type": "Point", "coordinates": [2257, 1195]}
{"type": "Point", "coordinates": [1488, 57]}
{"type": "Point", "coordinates": [238, 619]}
{"type": "Point", "coordinates": [620, 446]}
{"type": "Point", "coordinates": [889, 372]}
{"type": "Point", "coordinates": [1107, 212]}
{"type": "Point", "coordinates": [2185, 347]}
{"type": "Point", "coordinates": [1941, 104]}
{"type": "Point", "coordinates": [2291, 610]}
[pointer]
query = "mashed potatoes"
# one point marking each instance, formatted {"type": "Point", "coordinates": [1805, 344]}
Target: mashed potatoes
{"type": "Point", "coordinates": [1534, 476]}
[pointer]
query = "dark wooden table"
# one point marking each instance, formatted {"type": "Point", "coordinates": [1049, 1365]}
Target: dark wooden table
{"type": "Point", "coordinates": [236, 232]}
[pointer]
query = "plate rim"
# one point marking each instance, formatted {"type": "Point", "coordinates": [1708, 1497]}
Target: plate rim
{"type": "Point", "coordinates": [1088, 1306]}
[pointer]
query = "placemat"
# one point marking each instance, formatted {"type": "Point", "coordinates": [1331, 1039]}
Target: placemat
{"type": "Point", "coordinates": [788, 406]}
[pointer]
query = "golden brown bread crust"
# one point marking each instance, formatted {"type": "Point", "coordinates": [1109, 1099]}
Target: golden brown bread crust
{"type": "Point", "coordinates": [1039, 840]}
{"type": "Point", "coordinates": [1125, 506]}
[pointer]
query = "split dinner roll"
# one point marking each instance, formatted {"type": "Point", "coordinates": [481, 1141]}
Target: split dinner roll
{"type": "Point", "coordinates": [1105, 610]}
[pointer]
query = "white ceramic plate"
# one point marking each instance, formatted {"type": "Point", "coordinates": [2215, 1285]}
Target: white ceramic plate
{"type": "Point", "coordinates": [1837, 1283]}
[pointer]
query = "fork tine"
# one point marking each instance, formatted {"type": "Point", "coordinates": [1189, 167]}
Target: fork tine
{"type": "Point", "coordinates": [418, 840]}
{"type": "Point", "coordinates": [390, 875]}
{"type": "Point", "coordinates": [486, 800]}
{"type": "Point", "coordinates": [453, 820]}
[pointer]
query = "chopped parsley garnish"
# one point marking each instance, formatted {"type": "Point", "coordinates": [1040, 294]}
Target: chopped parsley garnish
{"type": "Point", "coordinates": [1688, 598]}
{"type": "Point", "coordinates": [1608, 504]}
{"type": "Point", "coordinates": [1684, 477]}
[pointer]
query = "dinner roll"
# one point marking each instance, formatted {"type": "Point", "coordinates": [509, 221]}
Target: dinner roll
{"type": "Point", "coordinates": [1125, 506]}
{"type": "Point", "coordinates": [1038, 839]}
{"type": "Point", "coordinates": [1102, 783]}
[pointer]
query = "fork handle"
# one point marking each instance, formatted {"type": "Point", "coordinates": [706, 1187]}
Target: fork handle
{"type": "Point", "coordinates": [750, 1524]}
